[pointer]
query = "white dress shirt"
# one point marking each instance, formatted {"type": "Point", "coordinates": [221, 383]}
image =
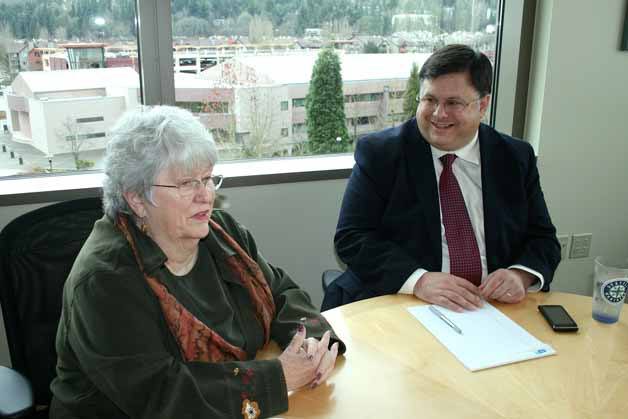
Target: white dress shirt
{"type": "Point", "coordinates": [468, 171]}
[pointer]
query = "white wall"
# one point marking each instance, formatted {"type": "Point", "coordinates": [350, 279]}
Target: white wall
{"type": "Point", "coordinates": [39, 135]}
{"type": "Point", "coordinates": [131, 96]}
{"type": "Point", "coordinates": [56, 114]}
{"type": "Point", "coordinates": [577, 115]}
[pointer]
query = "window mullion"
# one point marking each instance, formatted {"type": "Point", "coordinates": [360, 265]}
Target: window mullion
{"type": "Point", "coordinates": [155, 49]}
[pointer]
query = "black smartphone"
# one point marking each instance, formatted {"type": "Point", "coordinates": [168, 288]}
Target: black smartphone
{"type": "Point", "coordinates": [558, 318]}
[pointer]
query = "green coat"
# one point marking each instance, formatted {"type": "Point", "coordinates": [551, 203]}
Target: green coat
{"type": "Point", "coordinates": [118, 359]}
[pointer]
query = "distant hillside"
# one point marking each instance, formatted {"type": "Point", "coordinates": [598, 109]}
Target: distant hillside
{"type": "Point", "coordinates": [76, 19]}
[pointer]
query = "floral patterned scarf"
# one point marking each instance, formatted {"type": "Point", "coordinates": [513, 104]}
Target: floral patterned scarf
{"type": "Point", "coordinates": [197, 341]}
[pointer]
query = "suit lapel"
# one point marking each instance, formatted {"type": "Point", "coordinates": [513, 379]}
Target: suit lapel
{"type": "Point", "coordinates": [491, 172]}
{"type": "Point", "coordinates": [422, 176]}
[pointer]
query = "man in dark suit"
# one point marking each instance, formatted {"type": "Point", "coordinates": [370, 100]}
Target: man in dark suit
{"type": "Point", "coordinates": [443, 206]}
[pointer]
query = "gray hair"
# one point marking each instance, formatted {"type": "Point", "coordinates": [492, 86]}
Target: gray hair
{"type": "Point", "coordinates": [146, 141]}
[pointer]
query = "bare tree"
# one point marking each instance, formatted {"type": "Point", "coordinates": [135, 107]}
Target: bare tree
{"type": "Point", "coordinates": [76, 137]}
{"type": "Point", "coordinates": [352, 117]}
{"type": "Point", "coordinates": [262, 139]}
{"type": "Point", "coordinates": [257, 127]}
{"type": "Point", "coordinates": [337, 29]}
{"type": "Point", "coordinates": [260, 30]}
{"type": "Point", "coordinates": [380, 119]}
{"type": "Point", "coordinates": [5, 70]}
{"type": "Point", "coordinates": [7, 74]}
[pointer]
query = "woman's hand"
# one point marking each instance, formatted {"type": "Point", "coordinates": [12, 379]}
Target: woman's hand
{"type": "Point", "coordinates": [326, 365]}
{"type": "Point", "coordinates": [307, 361]}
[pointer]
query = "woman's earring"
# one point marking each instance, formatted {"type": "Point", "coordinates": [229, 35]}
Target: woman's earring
{"type": "Point", "coordinates": [143, 225]}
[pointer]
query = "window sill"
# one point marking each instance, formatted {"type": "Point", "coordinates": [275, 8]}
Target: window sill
{"type": "Point", "coordinates": [65, 186]}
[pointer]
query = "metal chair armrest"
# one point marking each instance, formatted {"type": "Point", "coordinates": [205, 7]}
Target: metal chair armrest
{"type": "Point", "coordinates": [16, 394]}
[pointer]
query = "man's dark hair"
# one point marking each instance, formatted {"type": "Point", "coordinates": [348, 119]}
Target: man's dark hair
{"type": "Point", "coordinates": [456, 58]}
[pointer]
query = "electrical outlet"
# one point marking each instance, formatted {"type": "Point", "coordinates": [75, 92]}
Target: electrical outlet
{"type": "Point", "coordinates": [563, 240]}
{"type": "Point", "coordinates": [580, 245]}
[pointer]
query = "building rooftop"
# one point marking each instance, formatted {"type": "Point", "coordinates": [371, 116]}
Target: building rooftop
{"type": "Point", "coordinates": [96, 78]}
{"type": "Point", "coordinates": [275, 69]}
{"type": "Point", "coordinates": [68, 80]}
{"type": "Point", "coordinates": [79, 45]}
{"type": "Point", "coordinates": [297, 68]}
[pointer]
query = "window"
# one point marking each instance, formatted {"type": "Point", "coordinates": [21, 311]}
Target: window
{"type": "Point", "coordinates": [91, 119]}
{"type": "Point", "coordinates": [298, 103]}
{"type": "Point", "coordinates": [50, 116]}
{"type": "Point", "coordinates": [361, 120]}
{"type": "Point", "coordinates": [262, 60]}
{"type": "Point", "coordinates": [228, 57]}
{"type": "Point", "coordinates": [298, 128]}
{"type": "Point", "coordinates": [85, 136]}
{"type": "Point", "coordinates": [242, 137]}
{"type": "Point", "coordinates": [364, 97]}
{"type": "Point", "coordinates": [187, 61]}
{"type": "Point", "coordinates": [397, 117]}
{"type": "Point", "coordinates": [85, 55]}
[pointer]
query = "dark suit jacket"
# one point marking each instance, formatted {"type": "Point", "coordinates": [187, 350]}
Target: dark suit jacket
{"type": "Point", "coordinates": [389, 223]}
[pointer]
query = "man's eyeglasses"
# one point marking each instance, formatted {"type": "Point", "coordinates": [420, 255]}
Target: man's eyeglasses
{"type": "Point", "coordinates": [187, 188]}
{"type": "Point", "coordinates": [450, 106]}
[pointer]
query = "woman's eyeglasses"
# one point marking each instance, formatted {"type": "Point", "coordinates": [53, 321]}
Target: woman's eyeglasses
{"type": "Point", "coordinates": [189, 187]}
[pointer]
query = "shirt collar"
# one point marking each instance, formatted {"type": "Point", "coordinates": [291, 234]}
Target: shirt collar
{"type": "Point", "coordinates": [469, 153]}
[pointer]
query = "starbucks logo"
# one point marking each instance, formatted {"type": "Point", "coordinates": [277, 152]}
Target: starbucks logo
{"type": "Point", "coordinates": [614, 290]}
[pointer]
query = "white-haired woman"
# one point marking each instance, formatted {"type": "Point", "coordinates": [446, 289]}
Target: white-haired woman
{"type": "Point", "coordinates": [169, 300]}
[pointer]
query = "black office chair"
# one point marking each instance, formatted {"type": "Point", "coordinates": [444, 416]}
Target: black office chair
{"type": "Point", "coordinates": [334, 294]}
{"type": "Point", "coordinates": [340, 288]}
{"type": "Point", "coordinates": [37, 251]}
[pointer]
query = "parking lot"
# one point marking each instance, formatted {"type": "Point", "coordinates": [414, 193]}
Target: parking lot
{"type": "Point", "coordinates": [19, 159]}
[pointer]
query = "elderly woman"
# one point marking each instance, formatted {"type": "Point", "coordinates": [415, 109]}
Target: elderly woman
{"type": "Point", "coordinates": [169, 300]}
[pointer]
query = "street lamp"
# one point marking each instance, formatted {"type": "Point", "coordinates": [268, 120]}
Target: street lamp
{"type": "Point", "coordinates": [100, 22]}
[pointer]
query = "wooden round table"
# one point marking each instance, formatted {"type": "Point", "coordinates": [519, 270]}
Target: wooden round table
{"type": "Point", "coordinates": [394, 368]}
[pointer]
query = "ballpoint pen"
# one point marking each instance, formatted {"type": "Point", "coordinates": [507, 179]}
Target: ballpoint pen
{"type": "Point", "coordinates": [445, 319]}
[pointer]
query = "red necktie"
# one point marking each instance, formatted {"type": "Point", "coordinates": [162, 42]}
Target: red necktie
{"type": "Point", "coordinates": [464, 255]}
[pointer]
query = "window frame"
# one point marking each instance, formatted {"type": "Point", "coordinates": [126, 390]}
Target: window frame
{"type": "Point", "coordinates": [154, 37]}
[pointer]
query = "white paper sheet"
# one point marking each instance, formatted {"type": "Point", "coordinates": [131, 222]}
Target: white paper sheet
{"type": "Point", "coordinates": [489, 338]}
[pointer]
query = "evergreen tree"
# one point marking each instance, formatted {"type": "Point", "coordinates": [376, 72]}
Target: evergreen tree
{"type": "Point", "coordinates": [5, 71]}
{"type": "Point", "coordinates": [325, 108]}
{"type": "Point", "coordinates": [371, 48]}
{"type": "Point", "coordinates": [412, 90]}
